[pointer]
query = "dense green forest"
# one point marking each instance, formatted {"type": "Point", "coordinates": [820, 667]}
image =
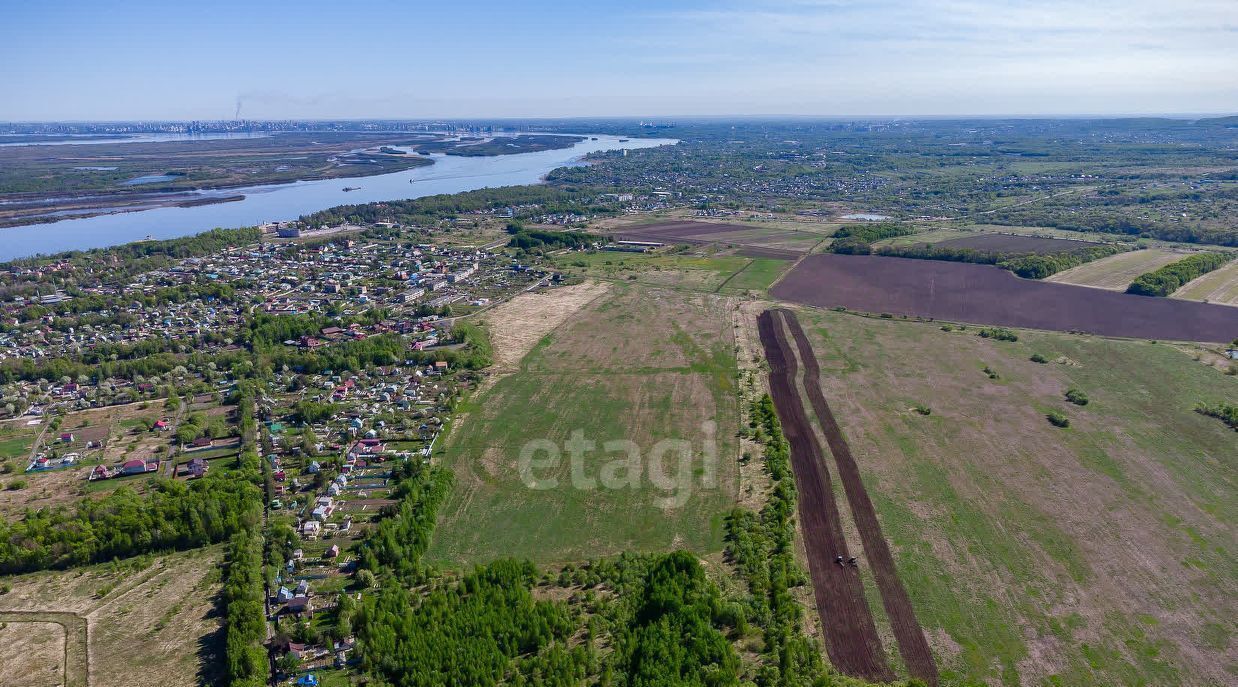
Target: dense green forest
{"type": "Point", "coordinates": [538, 238]}
{"type": "Point", "coordinates": [175, 515]}
{"type": "Point", "coordinates": [244, 610]}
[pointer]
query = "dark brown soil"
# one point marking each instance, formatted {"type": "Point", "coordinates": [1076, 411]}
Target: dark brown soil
{"type": "Point", "coordinates": [907, 631]}
{"type": "Point", "coordinates": [1008, 243]}
{"type": "Point", "coordinates": [851, 638]}
{"type": "Point", "coordinates": [983, 294]}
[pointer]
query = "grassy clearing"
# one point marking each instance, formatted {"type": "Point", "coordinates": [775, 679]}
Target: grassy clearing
{"type": "Point", "coordinates": [34, 653]}
{"type": "Point", "coordinates": [1218, 286]}
{"type": "Point", "coordinates": [163, 605]}
{"type": "Point", "coordinates": [1116, 272]}
{"type": "Point", "coordinates": [640, 364]}
{"type": "Point", "coordinates": [695, 272]}
{"type": "Point", "coordinates": [713, 273]}
{"type": "Point", "coordinates": [1096, 554]}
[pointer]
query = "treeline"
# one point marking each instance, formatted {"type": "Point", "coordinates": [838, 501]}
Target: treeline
{"type": "Point", "coordinates": [761, 546]}
{"type": "Point", "coordinates": [395, 546]}
{"type": "Point", "coordinates": [538, 238]}
{"type": "Point", "coordinates": [548, 199]}
{"type": "Point", "coordinates": [244, 611]}
{"type": "Point", "coordinates": [1106, 222]}
{"type": "Point", "coordinates": [149, 365]}
{"type": "Point", "coordinates": [1171, 277]}
{"type": "Point", "coordinates": [174, 516]}
{"type": "Point", "coordinates": [362, 354]}
{"type": "Point", "coordinates": [118, 263]}
{"type": "Point", "coordinates": [1225, 412]}
{"type": "Point", "coordinates": [872, 233]}
{"type": "Point", "coordinates": [1026, 265]}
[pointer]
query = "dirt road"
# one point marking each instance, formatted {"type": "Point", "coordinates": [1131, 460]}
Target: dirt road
{"type": "Point", "coordinates": [851, 638]}
{"type": "Point", "coordinates": [907, 631]}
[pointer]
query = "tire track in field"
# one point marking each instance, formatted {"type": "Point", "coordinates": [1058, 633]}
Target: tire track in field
{"type": "Point", "coordinates": [851, 638]}
{"type": "Point", "coordinates": [907, 631]}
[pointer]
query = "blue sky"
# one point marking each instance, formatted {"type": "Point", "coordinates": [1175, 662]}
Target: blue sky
{"type": "Point", "coordinates": [366, 58]}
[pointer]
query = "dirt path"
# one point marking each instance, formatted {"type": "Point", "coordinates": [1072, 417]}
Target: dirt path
{"type": "Point", "coordinates": [76, 656]}
{"type": "Point", "coordinates": [851, 638]}
{"type": "Point", "coordinates": [907, 631]}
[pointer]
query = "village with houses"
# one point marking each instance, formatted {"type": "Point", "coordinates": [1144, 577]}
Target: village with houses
{"type": "Point", "coordinates": [155, 395]}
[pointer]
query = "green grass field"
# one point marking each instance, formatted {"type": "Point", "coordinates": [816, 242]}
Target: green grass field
{"type": "Point", "coordinates": [1102, 553]}
{"type": "Point", "coordinates": [16, 446]}
{"type": "Point", "coordinates": [715, 273]}
{"type": "Point", "coordinates": [757, 275]}
{"type": "Point", "coordinates": [643, 365]}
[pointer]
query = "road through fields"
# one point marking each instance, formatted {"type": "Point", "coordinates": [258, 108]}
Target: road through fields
{"type": "Point", "coordinates": [851, 638]}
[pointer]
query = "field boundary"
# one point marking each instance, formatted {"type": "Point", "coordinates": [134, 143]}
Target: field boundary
{"type": "Point", "coordinates": [76, 642]}
{"type": "Point", "coordinates": [851, 637]}
{"type": "Point", "coordinates": [908, 633]}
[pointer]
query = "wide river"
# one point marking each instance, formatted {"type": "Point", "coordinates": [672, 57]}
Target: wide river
{"type": "Point", "coordinates": [448, 174]}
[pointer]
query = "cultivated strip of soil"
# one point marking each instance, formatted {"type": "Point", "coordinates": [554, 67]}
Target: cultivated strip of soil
{"type": "Point", "coordinates": [851, 638]}
{"type": "Point", "coordinates": [907, 631]}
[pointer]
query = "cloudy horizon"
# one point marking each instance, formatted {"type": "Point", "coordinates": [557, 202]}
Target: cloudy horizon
{"type": "Point", "coordinates": [73, 60]}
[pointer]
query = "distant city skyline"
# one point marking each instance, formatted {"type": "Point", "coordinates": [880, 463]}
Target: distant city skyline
{"type": "Point", "coordinates": [142, 60]}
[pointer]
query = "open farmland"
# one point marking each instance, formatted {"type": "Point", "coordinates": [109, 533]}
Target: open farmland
{"type": "Point", "coordinates": [34, 653]}
{"type": "Point", "coordinates": [1116, 272]}
{"type": "Point", "coordinates": [1099, 554]}
{"type": "Point", "coordinates": [1217, 286]}
{"type": "Point", "coordinates": [644, 365]}
{"type": "Point", "coordinates": [1010, 243]}
{"type": "Point", "coordinates": [772, 242]}
{"type": "Point", "coordinates": [83, 625]}
{"type": "Point", "coordinates": [984, 294]}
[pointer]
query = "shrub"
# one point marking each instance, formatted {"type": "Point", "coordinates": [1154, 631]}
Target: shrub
{"type": "Point", "coordinates": [1057, 419]}
{"type": "Point", "coordinates": [16, 485]}
{"type": "Point", "coordinates": [998, 333]}
{"type": "Point", "coordinates": [1077, 397]}
{"type": "Point", "coordinates": [1038, 358]}
{"type": "Point", "coordinates": [850, 246]}
{"type": "Point", "coordinates": [1225, 412]}
{"type": "Point", "coordinates": [990, 372]}
{"type": "Point", "coordinates": [923, 409]}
